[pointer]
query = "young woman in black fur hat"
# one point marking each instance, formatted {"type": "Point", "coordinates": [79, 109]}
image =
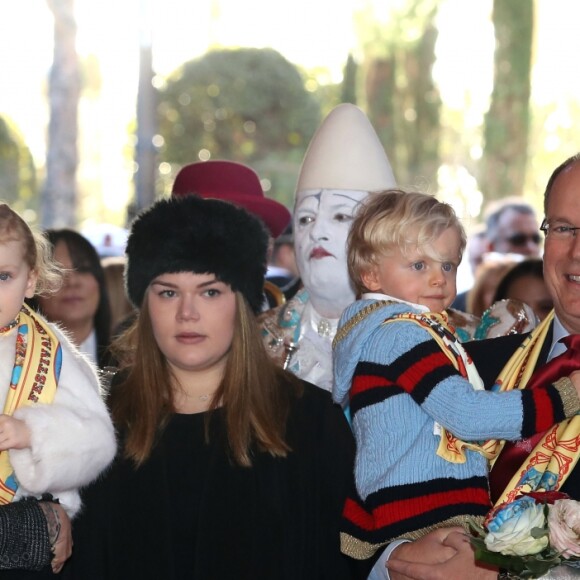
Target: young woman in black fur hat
{"type": "Point", "coordinates": [229, 467]}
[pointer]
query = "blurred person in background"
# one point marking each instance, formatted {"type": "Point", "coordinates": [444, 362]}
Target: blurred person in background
{"type": "Point", "coordinates": [282, 268]}
{"type": "Point", "coordinates": [487, 277]}
{"type": "Point", "coordinates": [81, 306]}
{"type": "Point", "coordinates": [476, 248]}
{"type": "Point", "coordinates": [525, 282]}
{"type": "Point", "coordinates": [513, 228]}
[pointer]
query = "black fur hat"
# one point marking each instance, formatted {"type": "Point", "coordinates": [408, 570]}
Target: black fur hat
{"type": "Point", "coordinates": [191, 234]}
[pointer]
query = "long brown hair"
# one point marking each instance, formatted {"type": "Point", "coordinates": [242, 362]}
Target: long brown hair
{"type": "Point", "coordinates": [255, 394]}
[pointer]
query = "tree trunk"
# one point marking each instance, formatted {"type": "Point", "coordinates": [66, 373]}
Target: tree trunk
{"type": "Point", "coordinates": [403, 102]}
{"type": "Point", "coordinates": [422, 129]}
{"type": "Point", "coordinates": [145, 153]}
{"type": "Point", "coordinates": [507, 122]}
{"type": "Point", "coordinates": [59, 195]}
{"type": "Point", "coordinates": [380, 95]}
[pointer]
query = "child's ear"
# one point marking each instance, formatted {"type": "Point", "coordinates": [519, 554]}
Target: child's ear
{"type": "Point", "coordinates": [370, 279]}
{"type": "Point", "coordinates": [31, 284]}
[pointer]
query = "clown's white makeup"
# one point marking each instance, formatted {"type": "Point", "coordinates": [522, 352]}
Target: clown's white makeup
{"type": "Point", "coordinates": [322, 219]}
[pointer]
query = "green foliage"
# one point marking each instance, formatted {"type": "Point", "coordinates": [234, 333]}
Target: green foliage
{"type": "Point", "coordinates": [17, 173]}
{"type": "Point", "coordinates": [403, 101]}
{"type": "Point", "coordinates": [248, 105]}
{"type": "Point", "coordinates": [389, 27]}
{"type": "Point", "coordinates": [328, 93]}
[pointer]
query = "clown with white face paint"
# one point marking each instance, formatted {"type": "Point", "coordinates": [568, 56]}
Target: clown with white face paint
{"type": "Point", "coordinates": [345, 161]}
{"type": "Point", "coordinates": [322, 219]}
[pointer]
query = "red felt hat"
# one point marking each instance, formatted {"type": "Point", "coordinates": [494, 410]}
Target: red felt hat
{"type": "Point", "coordinates": [236, 183]}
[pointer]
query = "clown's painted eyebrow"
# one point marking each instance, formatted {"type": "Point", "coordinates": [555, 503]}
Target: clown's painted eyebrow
{"type": "Point", "coordinates": [346, 196]}
{"type": "Point", "coordinates": [316, 195]}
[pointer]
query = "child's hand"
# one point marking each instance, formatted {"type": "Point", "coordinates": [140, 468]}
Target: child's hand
{"type": "Point", "coordinates": [15, 434]}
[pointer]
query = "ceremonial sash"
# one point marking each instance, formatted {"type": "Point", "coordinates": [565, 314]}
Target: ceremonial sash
{"type": "Point", "coordinates": [37, 365]}
{"type": "Point", "coordinates": [555, 455]}
{"type": "Point", "coordinates": [450, 447]}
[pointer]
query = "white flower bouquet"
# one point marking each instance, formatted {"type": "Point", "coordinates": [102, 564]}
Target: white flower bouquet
{"type": "Point", "coordinates": [530, 535]}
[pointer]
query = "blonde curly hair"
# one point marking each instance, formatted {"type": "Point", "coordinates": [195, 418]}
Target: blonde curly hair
{"type": "Point", "coordinates": [396, 219]}
{"type": "Point", "coordinates": [37, 250]}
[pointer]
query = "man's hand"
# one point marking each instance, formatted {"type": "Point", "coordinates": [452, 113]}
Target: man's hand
{"type": "Point", "coordinates": [444, 554]}
{"type": "Point", "coordinates": [14, 433]}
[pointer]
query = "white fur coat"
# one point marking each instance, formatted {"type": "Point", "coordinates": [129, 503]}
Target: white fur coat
{"type": "Point", "coordinates": [72, 439]}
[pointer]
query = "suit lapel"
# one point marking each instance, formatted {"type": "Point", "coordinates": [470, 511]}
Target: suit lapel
{"type": "Point", "coordinates": [545, 351]}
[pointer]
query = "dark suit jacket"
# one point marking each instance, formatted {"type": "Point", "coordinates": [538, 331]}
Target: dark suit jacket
{"type": "Point", "coordinates": [491, 355]}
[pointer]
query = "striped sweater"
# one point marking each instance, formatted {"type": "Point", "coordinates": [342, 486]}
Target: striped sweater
{"type": "Point", "coordinates": [399, 383]}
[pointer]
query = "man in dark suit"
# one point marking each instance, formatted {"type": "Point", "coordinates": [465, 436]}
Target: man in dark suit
{"type": "Point", "coordinates": [445, 555]}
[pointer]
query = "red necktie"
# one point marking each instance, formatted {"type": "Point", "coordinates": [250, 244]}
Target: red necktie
{"type": "Point", "coordinates": [513, 454]}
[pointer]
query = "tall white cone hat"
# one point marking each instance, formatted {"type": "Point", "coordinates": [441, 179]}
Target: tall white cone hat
{"type": "Point", "coordinates": [345, 153]}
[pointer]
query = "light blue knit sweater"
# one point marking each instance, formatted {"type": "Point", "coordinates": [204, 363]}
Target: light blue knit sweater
{"type": "Point", "coordinates": [395, 438]}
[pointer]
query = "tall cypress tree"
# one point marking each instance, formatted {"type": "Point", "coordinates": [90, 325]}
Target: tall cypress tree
{"type": "Point", "coordinates": [348, 88]}
{"type": "Point", "coordinates": [403, 101]}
